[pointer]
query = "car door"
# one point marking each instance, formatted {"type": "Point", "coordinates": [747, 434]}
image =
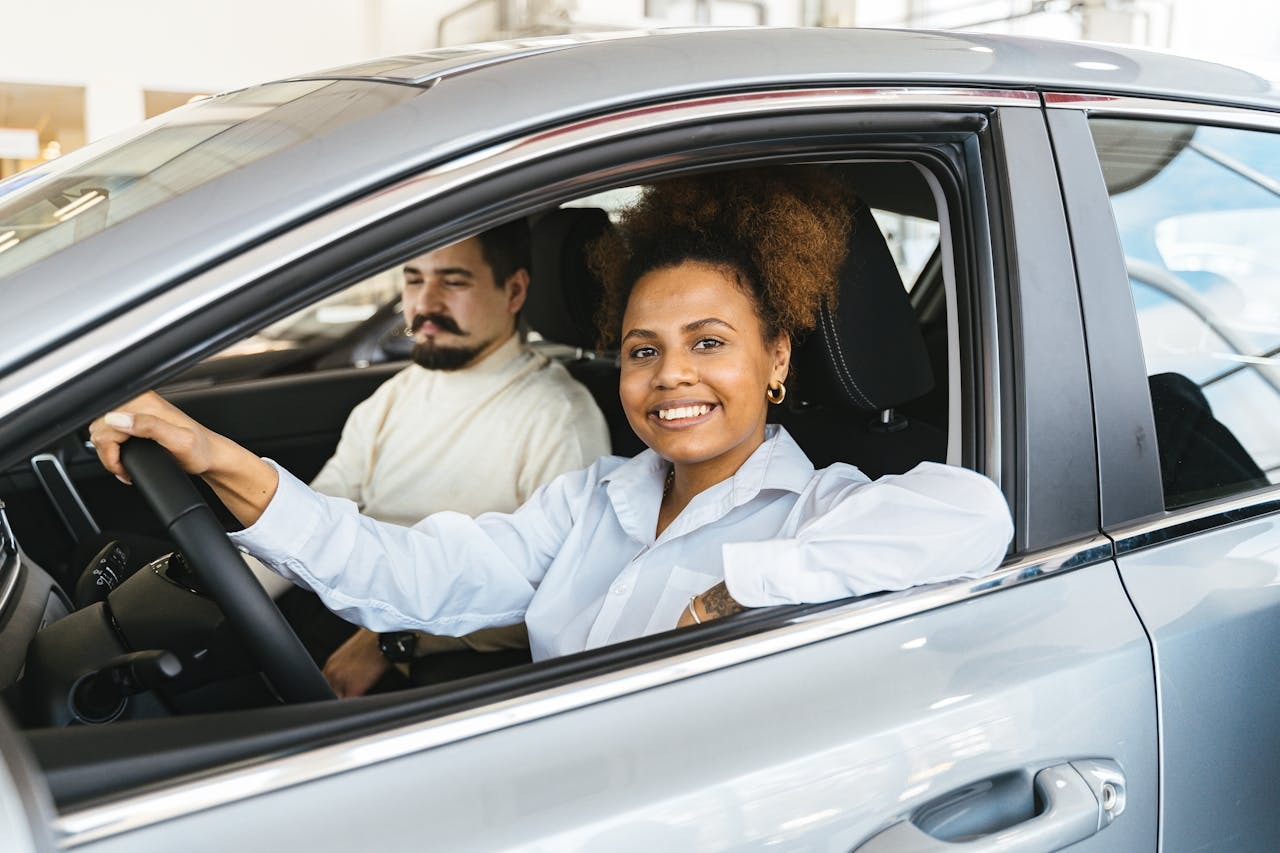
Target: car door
{"type": "Point", "coordinates": [1181, 295]}
{"type": "Point", "coordinates": [26, 810]}
{"type": "Point", "coordinates": [1017, 709]}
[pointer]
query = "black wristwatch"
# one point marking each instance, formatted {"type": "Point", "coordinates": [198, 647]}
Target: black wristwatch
{"type": "Point", "coordinates": [398, 646]}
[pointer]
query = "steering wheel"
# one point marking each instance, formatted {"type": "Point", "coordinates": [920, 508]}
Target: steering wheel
{"type": "Point", "coordinates": [199, 535]}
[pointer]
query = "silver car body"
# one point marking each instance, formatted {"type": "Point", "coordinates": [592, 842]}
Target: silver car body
{"type": "Point", "coordinates": [1122, 647]}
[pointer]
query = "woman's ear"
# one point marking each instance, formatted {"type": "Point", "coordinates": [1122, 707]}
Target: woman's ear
{"type": "Point", "coordinates": [780, 351]}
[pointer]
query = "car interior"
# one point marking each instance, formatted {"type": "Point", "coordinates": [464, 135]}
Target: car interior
{"type": "Point", "coordinates": [134, 635]}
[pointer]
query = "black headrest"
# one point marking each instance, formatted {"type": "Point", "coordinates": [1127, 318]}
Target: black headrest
{"type": "Point", "coordinates": [869, 353]}
{"type": "Point", "coordinates": [563, 293]}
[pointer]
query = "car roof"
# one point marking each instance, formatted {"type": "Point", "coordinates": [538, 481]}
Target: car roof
{"type": "Point", "coordinates": [759, 56]}
{"type": "Point", "coordinates": [440, 104]}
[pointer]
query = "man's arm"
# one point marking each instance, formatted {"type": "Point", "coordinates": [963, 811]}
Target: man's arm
{"type": "Point", "coordinates": [573, 439]}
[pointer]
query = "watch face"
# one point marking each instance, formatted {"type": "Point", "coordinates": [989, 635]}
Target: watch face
{"type": "Point", "coordinates": [398, 646]}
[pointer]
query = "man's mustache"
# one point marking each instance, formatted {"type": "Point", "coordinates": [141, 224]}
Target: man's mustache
{"type": "Point", "coordinates": [443, 321]}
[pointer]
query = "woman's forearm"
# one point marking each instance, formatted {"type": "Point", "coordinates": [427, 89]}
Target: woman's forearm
{"type": "Point", "coordinates": [244, 483]}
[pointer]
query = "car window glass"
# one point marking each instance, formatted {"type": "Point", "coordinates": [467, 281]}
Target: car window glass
{"type": "Point", "coordinates": [1197, 210]}
{"type": "Point", "coordinates": [326, 321]}
{"type": "Point", "coordinates": [911, 240]}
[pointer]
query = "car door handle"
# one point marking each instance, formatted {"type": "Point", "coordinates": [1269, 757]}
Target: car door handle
{"type": "Point", "coordinates": [1077, 799]}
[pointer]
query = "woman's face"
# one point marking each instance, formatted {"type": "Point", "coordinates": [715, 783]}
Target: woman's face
{"type": "Point", "coordinates": [695, 367]}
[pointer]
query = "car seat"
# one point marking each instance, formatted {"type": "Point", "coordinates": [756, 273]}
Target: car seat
{"type": "Point", "coordinates": [1200, 458]}
{"type": "Point", "coordinates": [564, 296]}
{"type": "Point", "coordinates": [865, 358]}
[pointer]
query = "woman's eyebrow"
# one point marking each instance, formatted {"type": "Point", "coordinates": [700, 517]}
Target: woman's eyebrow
{"type": "Point", "coordinates": [696, 325]}
{"type": "Point", "coordinates": [639, 333]}
{"type": "Point", "coordinates": [708, 321]}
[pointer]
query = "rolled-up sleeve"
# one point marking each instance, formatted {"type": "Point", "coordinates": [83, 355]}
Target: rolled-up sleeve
{"type": "Point", "coordinates": [852, 537]}
{"type": "Point", "coordinates": [448, 574]}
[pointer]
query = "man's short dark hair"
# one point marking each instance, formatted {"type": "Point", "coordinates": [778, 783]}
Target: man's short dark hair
{"type": "Point", "coordinates": [507, 249]}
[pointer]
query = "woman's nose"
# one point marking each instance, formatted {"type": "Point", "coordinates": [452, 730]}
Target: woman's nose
{"type": "Point", "coordinates": [674, 370]}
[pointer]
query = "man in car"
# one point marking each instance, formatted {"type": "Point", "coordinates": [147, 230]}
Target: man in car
{"type": "Point", "coordinates": [476, 424]}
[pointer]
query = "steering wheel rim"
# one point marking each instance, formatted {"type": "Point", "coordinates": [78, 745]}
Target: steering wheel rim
{"type": "Point", "coordinates": [254, 617]}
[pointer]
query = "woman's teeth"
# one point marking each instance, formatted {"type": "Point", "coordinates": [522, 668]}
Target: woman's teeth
{"type": "Point", "coordinates": [681, 412]}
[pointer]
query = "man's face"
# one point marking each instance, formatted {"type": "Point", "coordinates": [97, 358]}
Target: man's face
{"type": "Point", "coordinates": [456, 311]}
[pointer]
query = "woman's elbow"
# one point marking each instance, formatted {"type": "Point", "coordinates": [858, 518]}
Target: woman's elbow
{"type": "Point", "coordinates": [993, 526]}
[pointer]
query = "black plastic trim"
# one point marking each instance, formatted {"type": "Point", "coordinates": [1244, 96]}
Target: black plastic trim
{"type": "Point", "coordinates": [1128, 462]}
{"type": "Point", "coordinates": [1048, 403]}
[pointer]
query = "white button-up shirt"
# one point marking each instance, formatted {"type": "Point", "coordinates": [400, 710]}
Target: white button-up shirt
{"type": "Point", "coordinates": [580, 564]}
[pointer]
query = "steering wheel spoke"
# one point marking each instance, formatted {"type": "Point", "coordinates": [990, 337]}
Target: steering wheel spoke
{"type": "Point", "coordinates": [223, 572]}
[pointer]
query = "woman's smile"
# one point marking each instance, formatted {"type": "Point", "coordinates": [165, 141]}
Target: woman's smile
{"type": "Point", "coordinates": [683, 414]}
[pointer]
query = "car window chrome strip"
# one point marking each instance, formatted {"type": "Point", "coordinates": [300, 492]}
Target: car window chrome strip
{"type": "Point", "coordinates": [1177, 524]}
{"type": "Point", "coordinates": [1183, 111]}
{"type": "Point", "coordinates": [80, 826]}
{"type": "Point", "coordinates": [21, 387]}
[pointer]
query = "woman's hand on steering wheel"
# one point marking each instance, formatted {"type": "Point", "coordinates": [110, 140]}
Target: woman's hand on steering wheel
{"type": "Point", "coordinates": [242, 481]}
{"type": "Point", "coordinates": [151, 416]}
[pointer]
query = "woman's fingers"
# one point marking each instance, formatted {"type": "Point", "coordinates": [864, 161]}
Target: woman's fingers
{"type": "Point", "coordinates": [106, 441]}
{"type": "Point", "coordinates": [149, 416]}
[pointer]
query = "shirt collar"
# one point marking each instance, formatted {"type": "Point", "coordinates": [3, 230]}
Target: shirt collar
{"type": "Point", "coordinates": [635, 487]}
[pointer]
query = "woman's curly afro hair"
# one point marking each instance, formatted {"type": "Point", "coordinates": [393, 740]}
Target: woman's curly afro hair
{"type": "Point", "coordinates": [782, 233]}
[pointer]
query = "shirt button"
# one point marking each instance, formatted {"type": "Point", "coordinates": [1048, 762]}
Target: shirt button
{"type": "Point", "coordinates": [620, 589]}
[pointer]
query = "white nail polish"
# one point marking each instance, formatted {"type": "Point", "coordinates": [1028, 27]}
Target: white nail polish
{"type": "Point", "coordinates": [120, 420]}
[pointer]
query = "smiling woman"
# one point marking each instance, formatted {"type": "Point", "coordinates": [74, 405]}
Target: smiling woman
{"type": "Point", "coordinates": [721, 512]}
{"type": "Point", "coordinates": [712, 301]}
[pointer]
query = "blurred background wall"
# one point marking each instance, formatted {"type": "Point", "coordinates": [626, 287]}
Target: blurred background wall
{"type": "Point", "coordinates": [72, 71]}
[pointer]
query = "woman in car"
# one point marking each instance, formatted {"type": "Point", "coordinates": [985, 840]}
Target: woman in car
{"type": "Point", "coordinates": [707, 282]}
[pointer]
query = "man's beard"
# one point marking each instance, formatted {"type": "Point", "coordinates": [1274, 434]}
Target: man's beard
{"type": "Point", "coordinates": [434, 357]}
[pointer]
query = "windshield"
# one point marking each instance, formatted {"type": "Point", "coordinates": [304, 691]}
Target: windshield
{"type": "Point", "coordinates": [52, 206]}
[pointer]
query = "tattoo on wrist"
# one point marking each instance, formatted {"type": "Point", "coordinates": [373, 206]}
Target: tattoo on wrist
{"type": "Point", "coordinates": [717, 602]}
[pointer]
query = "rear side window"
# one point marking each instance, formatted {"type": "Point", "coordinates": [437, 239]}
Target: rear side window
{"type": "Point", "coordinates": [1198, 211]}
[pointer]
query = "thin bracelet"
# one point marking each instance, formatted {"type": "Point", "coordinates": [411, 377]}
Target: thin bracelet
{"type": "Point", "coordinates": [693, 612]}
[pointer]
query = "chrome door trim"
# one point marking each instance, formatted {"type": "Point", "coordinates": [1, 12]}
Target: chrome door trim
{"type": "Point", "coordinates": [30, 382]}
{"type": "Point", "coordinates": [80, 826]}
{"type": "Point", "coordinates": [1180, 523]}
{"type": "Point", "coordinates": [1121, 106]}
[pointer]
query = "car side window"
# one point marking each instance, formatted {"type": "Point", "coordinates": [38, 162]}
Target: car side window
{"type": "Point", "coordinates": [357, 326]}
{"type": "Point", "coordinates": [1198, 208]}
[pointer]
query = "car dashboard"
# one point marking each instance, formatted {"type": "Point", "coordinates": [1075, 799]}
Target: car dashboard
{"type": "Point", "coordinates": [29, 600]}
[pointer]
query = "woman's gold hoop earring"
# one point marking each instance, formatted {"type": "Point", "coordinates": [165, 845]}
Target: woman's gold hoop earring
{"type": "Point", "coordinates": [776, 394]}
